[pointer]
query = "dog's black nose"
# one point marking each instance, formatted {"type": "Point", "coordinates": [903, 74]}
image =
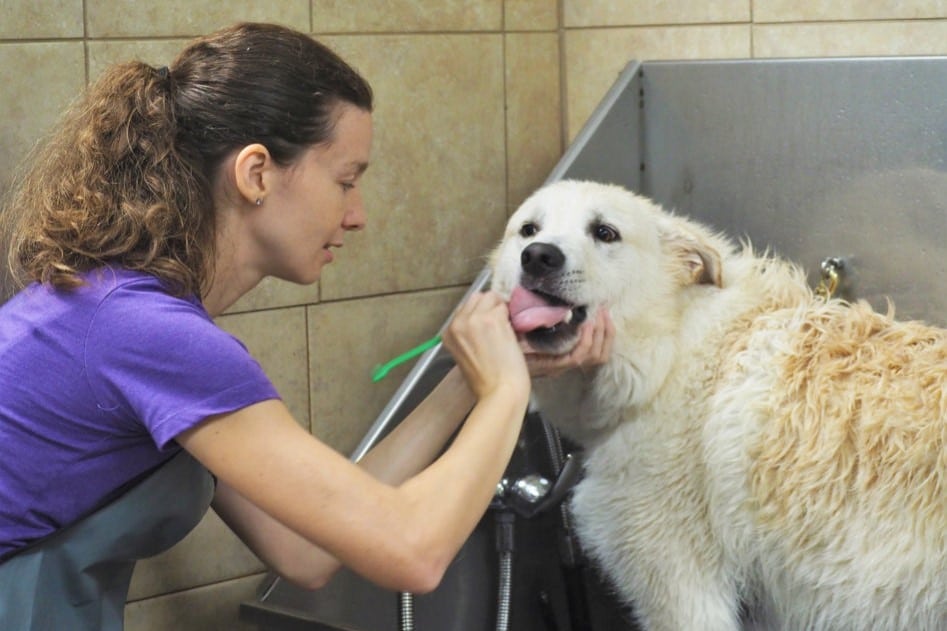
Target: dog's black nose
{"type": "Point", "coordinates": [539, 259]}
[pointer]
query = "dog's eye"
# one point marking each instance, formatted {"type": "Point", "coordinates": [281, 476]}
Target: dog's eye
{"type": "Point", "coordinates": [528, 229]}
{"type": "Point", "coordinates": [605, 233]}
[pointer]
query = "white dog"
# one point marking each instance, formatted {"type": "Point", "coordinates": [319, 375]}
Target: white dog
{"type": "Point", "coordinates": [749, 446]}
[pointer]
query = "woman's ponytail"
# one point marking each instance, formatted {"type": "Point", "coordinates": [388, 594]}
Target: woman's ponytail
{"type": "Point", "coordinates": [111, 185]}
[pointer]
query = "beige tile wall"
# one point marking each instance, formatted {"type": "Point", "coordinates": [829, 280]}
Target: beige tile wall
{"type": "Point", "coordinates": [476, 101]}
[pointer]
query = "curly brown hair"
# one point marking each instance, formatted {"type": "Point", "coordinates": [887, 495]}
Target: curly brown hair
{"type": "Point", "coordinates": [126, 177]}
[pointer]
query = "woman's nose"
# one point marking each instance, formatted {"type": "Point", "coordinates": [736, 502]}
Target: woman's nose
{"type": "Point", "coordinates": [354, 218]}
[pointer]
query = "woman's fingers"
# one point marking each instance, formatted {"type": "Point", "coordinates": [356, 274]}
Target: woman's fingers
{"type": "Point", "coordinates": [483, 344]}
{"type": "Point", "coordinates": [593, 348]}
{"type": "Point", "coordinates": [603, 337]}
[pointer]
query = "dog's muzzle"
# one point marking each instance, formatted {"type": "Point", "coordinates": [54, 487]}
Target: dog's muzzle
{"type": "Point", "coordinates": [538, 309]}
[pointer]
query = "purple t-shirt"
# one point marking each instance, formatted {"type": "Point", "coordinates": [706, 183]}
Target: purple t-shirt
{"type": "Point", "coordinates": [95, 384]}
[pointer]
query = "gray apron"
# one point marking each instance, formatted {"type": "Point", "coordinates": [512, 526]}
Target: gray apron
{"type": "Point", "coordinates": [77, 579]}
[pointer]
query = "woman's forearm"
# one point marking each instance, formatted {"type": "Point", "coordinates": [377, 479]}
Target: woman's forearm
{"type": "Point", "coordinates": [282, 549]}
{"type": "Point", "coordinates": [409, 447]}
{"type": "Point", "coordinates": [456, 479]}
{"type": "Point", "coordinates": [418, 439]}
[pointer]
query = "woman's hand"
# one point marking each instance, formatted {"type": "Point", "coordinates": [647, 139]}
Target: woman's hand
{"type": "Point", "coordinates": [593, 348]}
{"type": "Point", "coordinates": [483, 344]}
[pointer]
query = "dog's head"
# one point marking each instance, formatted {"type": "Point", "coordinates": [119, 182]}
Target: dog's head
{"type": "Point", "coordinates": [573, 247]}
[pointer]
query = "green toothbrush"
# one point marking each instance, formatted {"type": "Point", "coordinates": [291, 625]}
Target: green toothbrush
{"type": "Point", "coordinates": [381, 370]}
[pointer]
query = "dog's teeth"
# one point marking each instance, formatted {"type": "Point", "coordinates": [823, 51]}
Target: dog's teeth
{"type": "Point", "coordinates": [568, 317]}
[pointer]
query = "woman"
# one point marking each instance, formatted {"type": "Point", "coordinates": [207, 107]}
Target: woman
{"type": "Point", "coordinates": [164, 196]}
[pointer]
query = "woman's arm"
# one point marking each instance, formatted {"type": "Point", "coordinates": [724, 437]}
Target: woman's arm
{"type": "Point", "coordinates": [401, 537]}
{"type": "Point", "coordinates": [413, 444]}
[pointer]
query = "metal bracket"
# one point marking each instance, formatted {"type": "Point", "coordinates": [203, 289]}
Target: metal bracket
{"type": "Point", "coordinates": [831, 271]}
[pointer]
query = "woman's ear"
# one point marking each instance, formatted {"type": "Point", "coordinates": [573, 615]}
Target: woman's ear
{"type": "Point", "coordinates": [252, 169]}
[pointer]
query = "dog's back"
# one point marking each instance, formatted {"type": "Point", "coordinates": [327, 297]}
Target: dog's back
{"type": "Point", "coordinates": [846, 476]}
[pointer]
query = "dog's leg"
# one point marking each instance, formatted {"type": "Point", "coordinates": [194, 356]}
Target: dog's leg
{"type": "Point", "coordinates": [645, 523]}
{"type": "Point", "coordinates": [672, 581]}
{"type": "Point", "coordinates": [672, 594]}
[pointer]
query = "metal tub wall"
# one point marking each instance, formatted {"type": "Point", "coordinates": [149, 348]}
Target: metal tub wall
{"type": "Point", "coordinates": [814, 159]}
{"type": "Point", "coordinates": [811, 158]}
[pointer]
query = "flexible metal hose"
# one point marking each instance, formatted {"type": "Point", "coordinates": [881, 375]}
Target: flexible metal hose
{"type": "Point", "coordinates": [503, 593]}
{"type": "Point", "coordinates": [406, 611]}
{"type": "Point", "coordinates": [557, 457]}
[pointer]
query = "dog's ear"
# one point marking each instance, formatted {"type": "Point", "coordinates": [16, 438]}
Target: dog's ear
{"type": "Point", "coordinates": [696, 262]}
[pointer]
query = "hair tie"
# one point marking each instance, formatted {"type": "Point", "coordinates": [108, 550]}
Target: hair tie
{"type": "Point", "coordinates": [163, 73]}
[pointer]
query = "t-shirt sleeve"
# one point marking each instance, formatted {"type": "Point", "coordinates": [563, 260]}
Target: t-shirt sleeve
{"type": "Point", "coordinates": [159, 362]}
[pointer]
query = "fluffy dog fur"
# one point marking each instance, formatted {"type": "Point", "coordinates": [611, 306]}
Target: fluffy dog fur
{"type": "Point", "coordinates": [749, 446]}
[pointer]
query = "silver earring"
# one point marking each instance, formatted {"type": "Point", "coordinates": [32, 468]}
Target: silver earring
{"type": "Point", "coordinates": [259, 201]}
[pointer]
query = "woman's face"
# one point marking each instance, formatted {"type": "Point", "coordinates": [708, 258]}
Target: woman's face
{"type": "Point", "coordinates": [316, 201]}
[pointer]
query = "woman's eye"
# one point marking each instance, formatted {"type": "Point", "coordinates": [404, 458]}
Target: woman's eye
{"type": "Point", "coordinates": [605, 233]}
{"type": "Point", "coordinates": [528, 229]}
{"type": "Point", "coordinates": [347, 186]}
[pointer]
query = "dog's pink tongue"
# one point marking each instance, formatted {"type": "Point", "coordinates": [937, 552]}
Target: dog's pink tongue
{"type": "Point", "coordinates": [529, 311]}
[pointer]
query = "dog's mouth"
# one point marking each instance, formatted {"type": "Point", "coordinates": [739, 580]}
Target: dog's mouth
{"type": "Point", "coordinates": [549, 323]}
